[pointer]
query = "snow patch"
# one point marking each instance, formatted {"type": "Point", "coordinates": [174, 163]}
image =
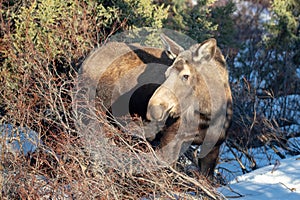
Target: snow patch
{"type": "Point", "coordinates": [271, 182]}
{"type": "Point", "coordinates": [18, 139]}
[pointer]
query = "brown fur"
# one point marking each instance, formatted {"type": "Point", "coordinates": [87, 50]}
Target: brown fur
{"type": "Point", "coordinates": [190, 99]}
{"type": "Point", "coordinates": [115, 74]}
{"type": "Point", "coordinates": [116, 70]}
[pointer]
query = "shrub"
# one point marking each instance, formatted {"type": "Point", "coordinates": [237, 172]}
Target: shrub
{"type": "Point", "coordinates": [42, 46]}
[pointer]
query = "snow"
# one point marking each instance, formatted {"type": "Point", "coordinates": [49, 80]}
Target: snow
{"type": "Point", "coordinates": [298, 72]}
{"type": "Point", "coordinates": [230, 168]}
{"type": "Point", "coordinates": [280, 180]}
{"type": "Point", "coordinates": [18, 139]}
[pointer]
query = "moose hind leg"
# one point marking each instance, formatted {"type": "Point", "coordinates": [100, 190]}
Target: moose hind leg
{"type": "Point", "coordinates": [208, 163]}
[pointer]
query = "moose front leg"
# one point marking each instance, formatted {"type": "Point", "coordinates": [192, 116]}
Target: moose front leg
{"type": "Point", "coordinates": [208, 163]}
{"type": "Point", "coordinates": [170, 145]}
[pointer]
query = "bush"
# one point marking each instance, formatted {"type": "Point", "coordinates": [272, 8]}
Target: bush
{"type": "Point", "coordinates": [42, 46]}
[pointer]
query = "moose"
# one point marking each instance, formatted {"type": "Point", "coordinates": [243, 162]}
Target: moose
{"type": "Point", "coordinates": [187, 97]}
{"type": "Point", "coordinates": [181, 98]}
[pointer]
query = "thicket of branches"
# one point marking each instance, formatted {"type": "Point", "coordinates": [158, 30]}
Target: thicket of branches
{"type": "Point", "coordinates": [265, 77]}
{"type": "Point", "coordinates": [43, 43]}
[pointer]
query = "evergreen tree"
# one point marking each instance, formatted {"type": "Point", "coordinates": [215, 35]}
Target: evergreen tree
{"type": "Point", "coordinates": [283, 42]}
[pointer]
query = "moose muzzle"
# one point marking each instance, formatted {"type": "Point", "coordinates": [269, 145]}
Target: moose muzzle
{"type": "Point", "coordinates": [161, 105]}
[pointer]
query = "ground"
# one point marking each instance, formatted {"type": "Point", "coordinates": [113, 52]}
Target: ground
{"type": "Point", "coordinates": [280, 180]}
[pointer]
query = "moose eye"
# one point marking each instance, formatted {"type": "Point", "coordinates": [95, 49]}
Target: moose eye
{"type": "Point", "coordinates": [185, 77]}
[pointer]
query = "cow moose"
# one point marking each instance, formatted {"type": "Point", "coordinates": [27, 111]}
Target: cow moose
{"type": "Point", "coordinates": [121, 74]}
{"type": "Point", "coordinates": [186, 95]}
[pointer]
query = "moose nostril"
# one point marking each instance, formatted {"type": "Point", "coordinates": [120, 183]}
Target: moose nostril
{"type": "Point", "coordinates": [155, 112]}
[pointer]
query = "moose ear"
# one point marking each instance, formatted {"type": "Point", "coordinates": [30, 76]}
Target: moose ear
{"type": "Point", "coordinates": [206, 50]}
{"type": "Point", "coordinates": [172, 48]}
